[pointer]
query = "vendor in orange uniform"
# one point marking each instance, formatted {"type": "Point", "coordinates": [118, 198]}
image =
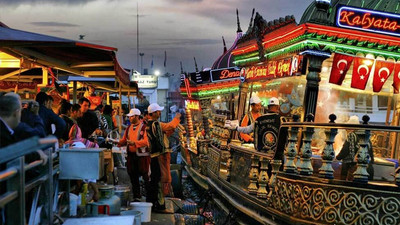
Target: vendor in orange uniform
{"type": "Point", "coordinates": [135, 137]}
{"type": "Point", "coordinates": [250, 118]}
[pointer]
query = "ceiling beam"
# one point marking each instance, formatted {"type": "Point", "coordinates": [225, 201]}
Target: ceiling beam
{"type": "Point", "coordinates": [98, 73]}
{"type": "Point", "coordinates": [92, 64]}
{"type": "Point", "coordinates": [42, 59]}
{"type": "Point", "coordinates": [13, 73]}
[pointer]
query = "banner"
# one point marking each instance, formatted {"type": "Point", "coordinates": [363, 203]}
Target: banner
{"type": "Point", "coordinates": [383, 69]}
{"type": "Point", "coordinates": [340, 65]}
{"type": "Point", "coordinates": [361, 70]}
{"type": "Point", "coordinates": [396, 79]}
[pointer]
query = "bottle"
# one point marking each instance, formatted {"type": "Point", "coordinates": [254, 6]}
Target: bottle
{"type": "Point", "coordinates": [84, 193]}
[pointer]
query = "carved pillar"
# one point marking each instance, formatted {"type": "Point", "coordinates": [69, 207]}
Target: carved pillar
{"type": "Point", "coordinates": [291, 148]}
{"type": "Point", "coordinates": [272, 180]}
{"type": "Point", "coordinates": [263, 179]}
{"type": "Point", "coordinates": [253, 176]}
{"type": "Point", "coordinates": [229, 164]}
{"type": "Point", "coordinates": [363, 158]}
{"type": "Point", "coordinates": [305, 167]}
{"type": "Point", "coordinates": [205, 105]}
{"type": "Point", "coordinates": [328, 154]}
{"type": "Point", "coordinates": [312, 86]}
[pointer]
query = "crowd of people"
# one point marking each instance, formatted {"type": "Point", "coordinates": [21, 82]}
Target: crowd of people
{"type": "Point", "coordinates": [77, 126]}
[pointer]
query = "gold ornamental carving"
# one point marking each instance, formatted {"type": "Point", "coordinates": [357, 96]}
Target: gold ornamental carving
{"type": "Point", "coordinates": [332, 205]}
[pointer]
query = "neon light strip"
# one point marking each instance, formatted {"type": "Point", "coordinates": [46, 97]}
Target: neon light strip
{"type": "Point", "coordinates": [364, 11]}
{"type": "Point", "coordinates": [362, 36]}
{"type": "Point", "coordinates": [358, 49]}
{"type": "Point", "coordinates": [248, 59]}
{"type": "Point", "coordinates": [236, 51]}
{"type": "Point", "coordinates": [282, 36]}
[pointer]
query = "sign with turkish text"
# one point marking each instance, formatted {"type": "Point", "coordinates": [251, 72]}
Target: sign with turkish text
{"type": "Point", "coordinates": [192, 104]}
{"type": "Point", "coordinates": [225, 74]}
{"type": "Point", "coordinates": [368, 20]}
{"type": "Point", "coordinates": [200, 77]}
{"type": "Point", "coordinates": [146, 81]}
{"type": "Point", "coordinates": [274, 69]}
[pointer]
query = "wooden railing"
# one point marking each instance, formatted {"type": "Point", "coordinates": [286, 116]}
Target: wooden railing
{"type": "Point", "coordinates": [39, 184]}
{"type": "Point", "coordinates": [290, 183]}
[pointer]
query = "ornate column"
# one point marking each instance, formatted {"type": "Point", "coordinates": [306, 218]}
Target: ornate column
{"type": "Point", "coordinates": [263, 179]}
{"type": "Point", "coordinates": [253, 176]}
{"type": "Point", "coordinates": [291, 148]}
{"type": "Point", "coordinates": [305, 167]}
{"type": "Point", "coordinates": [312, 86]}
{"type": "Point", "coordinates": [328, 154]}
{"type": "Point", "coordinates": [272, 180]}
{"type": "Point", "coordinates": [363, 158]}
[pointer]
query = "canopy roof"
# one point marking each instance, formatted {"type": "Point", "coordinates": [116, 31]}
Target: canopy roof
{"type": "Point", "coordinates": [31, 50]}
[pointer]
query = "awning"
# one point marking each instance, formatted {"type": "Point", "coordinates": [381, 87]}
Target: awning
{"type": "Point", "coordinates": [78, 58]}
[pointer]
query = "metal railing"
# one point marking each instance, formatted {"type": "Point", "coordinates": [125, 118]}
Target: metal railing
{"type": "Point", "coordinates": [34, 180]}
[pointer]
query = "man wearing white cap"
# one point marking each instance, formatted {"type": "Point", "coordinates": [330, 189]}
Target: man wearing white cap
{"type": "Point", "coordinates": [250, 118]}
{"type": "Point", "coordinates": [273, 107]}
{"type": "Point", "coordinates": [160, 178]}
{"type": "Point", "coordinates": [135, 138]}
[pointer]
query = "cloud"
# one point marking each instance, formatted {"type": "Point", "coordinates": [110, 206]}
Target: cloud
{"type": "Point", "coordinates": [34, 2]}
{"type": "Point", "coordinates": [53, 24]}
{"type": "Point", "coordinates": [184, 41]}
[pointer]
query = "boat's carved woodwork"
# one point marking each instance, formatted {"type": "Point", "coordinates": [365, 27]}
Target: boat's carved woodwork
{"type": "Point", "coordinates": [328, 204]}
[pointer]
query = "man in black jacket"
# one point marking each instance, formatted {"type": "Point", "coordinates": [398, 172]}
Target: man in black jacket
{"type": "Point", "coordinates": [49, 117]}
{"type": "Point", "coordinates": [10, 117]}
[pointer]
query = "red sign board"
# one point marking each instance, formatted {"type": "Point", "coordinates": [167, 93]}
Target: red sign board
{"type": "Point", "coordinates": [274, 69]}
{"type": "Point", "coordinates": [368, 20]}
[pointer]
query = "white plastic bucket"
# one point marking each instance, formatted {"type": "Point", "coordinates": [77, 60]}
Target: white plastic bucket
{"type": "Point", "coordinates": [144, 208]}
{"type": "Point", "coordinates": [73, 204]}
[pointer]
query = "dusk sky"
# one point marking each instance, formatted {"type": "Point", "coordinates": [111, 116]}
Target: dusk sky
{"type": "Point", "coordinates": [183, 28]}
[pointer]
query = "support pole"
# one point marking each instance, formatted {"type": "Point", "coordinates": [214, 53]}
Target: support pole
{"type": "Point", "coordinates": [74, 92]}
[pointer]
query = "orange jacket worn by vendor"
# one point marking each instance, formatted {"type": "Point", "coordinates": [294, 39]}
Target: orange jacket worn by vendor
{"type": "Point", "coordinates": [246, 122]}
{"type": "Point", "coordinates": [132, 132]}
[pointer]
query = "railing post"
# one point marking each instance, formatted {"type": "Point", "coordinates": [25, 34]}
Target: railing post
{"type": "Point", "coordinates": [291, 148]}
{"type": "Point", "coordinates": [305, 167]}
{"type": "Point", "coordinates": [229, 164]}
{"type": "Point", "coordinates": [263, 179]}
{"type": "Point", "coordinates": [328, 154]}
{"type": "Point", "coordinates": [252, 188]}
{"type": "Point", "coordinates": [15, 210]}
{"type": "Point", "coordinates": [363, 158]}
{"type": "Point", "coordinates": [272, 180]}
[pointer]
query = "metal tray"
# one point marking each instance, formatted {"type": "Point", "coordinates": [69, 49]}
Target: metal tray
{"type": "Point", "coordinates": [79, 164]}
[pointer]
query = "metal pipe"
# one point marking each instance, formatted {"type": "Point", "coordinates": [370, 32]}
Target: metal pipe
{"type": "Point", "coordinates": [9, 173]}
{"type": "Point", "coordinates": [7, 198]}
{"type": "Point", "coordinates": [33, 164]}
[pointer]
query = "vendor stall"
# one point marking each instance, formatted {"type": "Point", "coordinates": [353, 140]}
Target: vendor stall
{"type": "Point", "coordinates": [339, 62]}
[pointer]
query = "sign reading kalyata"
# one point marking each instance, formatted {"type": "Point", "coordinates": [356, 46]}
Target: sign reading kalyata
{"type": "Point", "coordinates": [225, 74]}
{"type": "Point", "coordinates": [274, 69]}
{"type": "Point", "coordinates": [368, 20]}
